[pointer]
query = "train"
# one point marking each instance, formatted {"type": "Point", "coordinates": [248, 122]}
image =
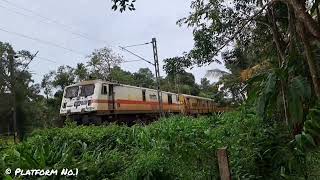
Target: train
{"type": "Point", "coordinates": [98, 101]}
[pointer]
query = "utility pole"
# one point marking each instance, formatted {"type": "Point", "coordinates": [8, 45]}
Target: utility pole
{"type": "Point", "coordinates": [157, 70]}
{"type": "Point", "coordinates": [13, 79]}
{"type": "Point", "coordinates": [176, 81]}
{"type": "Point", "coordinates": [13, 95]}
{"type": "Point", "coordinates": [156, 67]}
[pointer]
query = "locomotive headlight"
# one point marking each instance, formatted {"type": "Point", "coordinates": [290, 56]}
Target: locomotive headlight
{"type": "Point", "coordinates": [89, 108]}
{"type": "Point", "coordinates": [89, 102]}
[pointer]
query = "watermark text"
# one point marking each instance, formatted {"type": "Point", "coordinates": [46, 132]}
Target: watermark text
{"type": "Point", "coordinates": [42, 172]}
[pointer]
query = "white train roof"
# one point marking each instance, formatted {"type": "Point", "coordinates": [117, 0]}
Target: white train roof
{"type": "Point", "coordinates": [136, 87]}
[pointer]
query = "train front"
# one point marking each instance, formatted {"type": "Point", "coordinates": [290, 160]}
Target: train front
{"type": "Point", "coordinates": [78, 99]}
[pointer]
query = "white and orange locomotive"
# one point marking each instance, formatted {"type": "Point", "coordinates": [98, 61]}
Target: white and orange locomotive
{"type": "Point", "coordinates": [97, 101]}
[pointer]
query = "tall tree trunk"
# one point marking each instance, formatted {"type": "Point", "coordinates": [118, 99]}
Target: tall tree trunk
{"type": "Point", "coordinates": [279, 44]}
{"type": "Point", "coordinates": [303, 16]}
{"type": "Point", "coordinates": [292, 31]}
{"type": "Point", "coordinates": [318, 15]}
{"type": "Point", "coordinates": [310, 58]}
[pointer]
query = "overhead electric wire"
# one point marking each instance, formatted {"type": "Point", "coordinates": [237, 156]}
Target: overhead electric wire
{"type": "Point", "coordinates": [131, 61]}
{"type": "Point", "coordinates": [64, 26]}
{"type": "Point", "coordinates": [43, 41]}
{"type": "Point", "coordinates": [137, 45]}
{"type": "Point", "coordinates": [20, 13]}
{"type": "Point", "coordinates": [52, 61]}
{"type": "Point", "coordinates": [56, 45]}
{"type": "Point", "coordinates": [68, 28]}
{"type": "Point", "coordinates": [46, 59]}
{"type": "Point", "coordinates": [142, 58]}
{"type": "Point", "coordinates": [36, 57]}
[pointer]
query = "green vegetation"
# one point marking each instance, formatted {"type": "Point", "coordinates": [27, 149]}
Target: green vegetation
{"type": "Point", "coordinates": [173, 148]}
{"type": "Point", "coordinates": [271, 51]}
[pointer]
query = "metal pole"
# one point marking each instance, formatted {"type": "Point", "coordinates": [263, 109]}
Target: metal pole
{"type": "Point", "coordinates": [157, 70]}
{"type": "Point", "coordinates": [13, 79]}
{"type": "Point", "coordinates": [13, 94]}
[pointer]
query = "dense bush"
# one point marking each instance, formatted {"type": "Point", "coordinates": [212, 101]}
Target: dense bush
{"type": "Point", "coordinates": [173, 148]}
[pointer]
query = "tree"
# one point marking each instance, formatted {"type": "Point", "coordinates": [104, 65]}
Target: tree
{"type": "Point", "coordinates": [177, 77]}
{"type": "Point", "coordinates": [229, 85]}
{"type": "Point", "coordinates": [175, 65]}
{"type": "Point", "coordinates": [46, 84]}
{"type": "Point", "coordinates": [232, 87]}
{"type": "Point", "coordinates": [144, 78]}
{"type": "Point", "coordinates": [81, 72]}
{"type": "Point", "coordinates": [64, 76]}
{"type": "Point", "coordinates": [56, 80]}
{"type": "Point", "coordinates": [101, 62]}
{"type": "Point", "coordinates": [236, 61]}
{"type": "Point", "coordinates": [185, 84]}
{"type": "Point", "coordinates": [16, 79]}
{"type": "Point", "coordinates": [205, 84]}
{"type": "Point", "coordinates": [285, 22]}
{"type": "Point", "coordinates": [121, 76]}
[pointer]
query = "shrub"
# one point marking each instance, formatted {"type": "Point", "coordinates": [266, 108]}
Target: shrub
{"type": "Point", "coordinates": [173, 148]}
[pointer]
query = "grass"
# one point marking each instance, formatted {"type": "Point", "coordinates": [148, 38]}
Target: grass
{"type": "Point", "coordinates": [172, 148]}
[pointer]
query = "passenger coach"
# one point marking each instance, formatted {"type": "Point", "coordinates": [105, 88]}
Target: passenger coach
{"type": "Point", "coordinates": [97, 101]}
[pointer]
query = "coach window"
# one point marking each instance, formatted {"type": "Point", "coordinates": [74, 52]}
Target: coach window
{"type": "Point", "coordinates": [153, 97]}
{"type": "Point", "coordinates": [144, 95]}
{"type": "Point", "coordinates": [170, 98]}
{"type": "Point", "coordinates": [104, 89]}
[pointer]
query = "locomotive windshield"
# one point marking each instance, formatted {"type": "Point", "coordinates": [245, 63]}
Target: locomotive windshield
{"type": "Point", "coordinates": [72, 92]}
{"type": "Point", "coordinates": [87, 90]}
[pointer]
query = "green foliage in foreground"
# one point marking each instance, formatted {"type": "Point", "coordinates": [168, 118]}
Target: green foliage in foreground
{"type": "Point", "coordinates": [173, 148]}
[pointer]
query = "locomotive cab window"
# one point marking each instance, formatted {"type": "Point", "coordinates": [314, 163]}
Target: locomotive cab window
{"type": "Point", "coordinates": [169, 98]}
{"type": "Point", "coordinates": [144, 95]}
{"type": "Point", "coordinates": [72, 92]}
{"type": "Point", "coordinates": [87, 90]}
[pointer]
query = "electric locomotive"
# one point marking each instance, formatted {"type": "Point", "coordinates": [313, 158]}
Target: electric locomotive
{"type": "Point", "coordinates": [97, 101]}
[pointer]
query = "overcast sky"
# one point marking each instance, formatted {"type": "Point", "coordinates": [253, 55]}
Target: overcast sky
{"type": "Point", "coordinates": [97, 22]}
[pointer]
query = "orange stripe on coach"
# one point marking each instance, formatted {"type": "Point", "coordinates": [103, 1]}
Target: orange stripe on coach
{"type": "Point", "coordinates": [121, 101]}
